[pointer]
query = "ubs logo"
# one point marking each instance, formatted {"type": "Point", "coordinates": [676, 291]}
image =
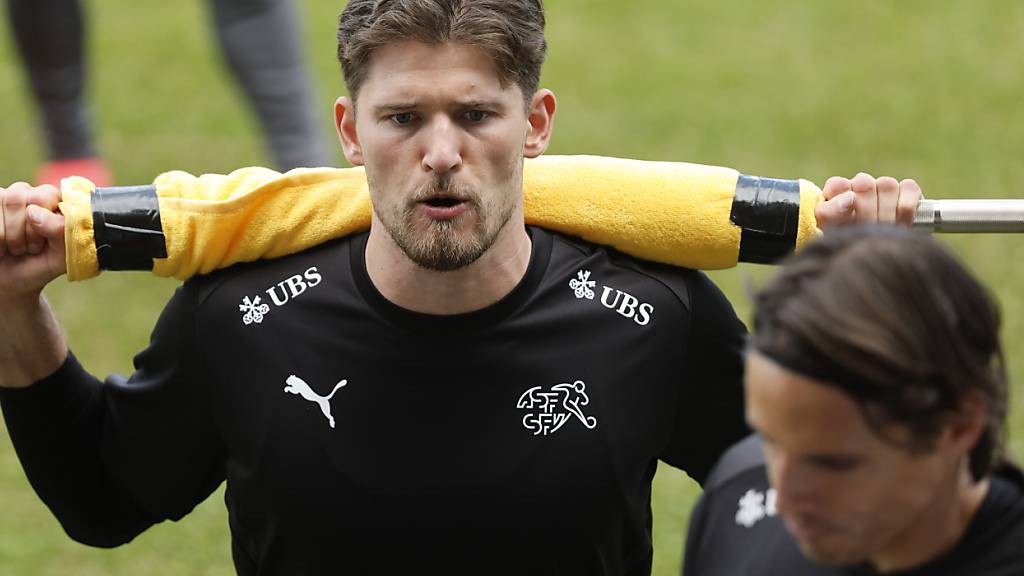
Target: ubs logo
{"type": "Point", "coordinates": [293, 286]}
{"type": "Point", "coordinates": [624, 303]}
{"type": "Point", "coordinates": [627, 305]}
{"type": "Point", "coordinates": [253, 310]}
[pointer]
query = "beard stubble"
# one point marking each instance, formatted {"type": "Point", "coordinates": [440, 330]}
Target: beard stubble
{"type": "Point", "coordinates": [444, 245]}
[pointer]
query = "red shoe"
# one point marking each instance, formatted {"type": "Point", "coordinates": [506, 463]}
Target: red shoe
{"type": "Point", "coordinates": [92, 168]}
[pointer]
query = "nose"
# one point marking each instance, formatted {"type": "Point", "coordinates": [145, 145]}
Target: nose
{"type": "Point", "coordinates": [788, 482]}
{"type": "Point", "coordinates": [442, 147]}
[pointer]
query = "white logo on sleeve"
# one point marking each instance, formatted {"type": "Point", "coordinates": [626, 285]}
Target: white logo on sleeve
{"type": "Point", "coordinates": [280, 294]}
{"type": "Point", "coordinates": [623, 303]}
{"type": "Point", "coordinates": [754, 506]}
{"type": "Point", "coordinates": [582, 285]}
{"type": "Point", "coordinates": [298, 386]}
{"type": "Point", "coordinates": [252, 310]}
{"type": "Point", "coordinates": [549, 410]}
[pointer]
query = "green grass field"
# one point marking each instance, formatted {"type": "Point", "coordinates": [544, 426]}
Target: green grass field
{"type": "Point", "coordinates": [788, 88]}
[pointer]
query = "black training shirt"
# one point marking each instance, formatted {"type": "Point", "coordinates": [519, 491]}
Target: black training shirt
{"type": "Point", "coordinates": [734, 529]}
{"type": "Point", "coordinates": [357, 437]}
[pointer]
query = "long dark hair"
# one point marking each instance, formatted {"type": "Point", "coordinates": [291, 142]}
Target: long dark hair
{"type": "Point", "coordinates": [895, 321]}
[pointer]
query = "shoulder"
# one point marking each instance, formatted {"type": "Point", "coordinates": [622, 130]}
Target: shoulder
{"type": "Point", "coordinates": [737, 494]}
{"type": "Point", "coordinates": [993, 545]}
{"type": "Point", "coordinates": [742, 458]}
{"type": "Point", "coordinates": [577, 256]}
{"type": "Point", "coordinates": [257, 277]}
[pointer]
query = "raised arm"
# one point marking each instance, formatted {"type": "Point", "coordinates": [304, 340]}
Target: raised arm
{"type": "Point", "coordinates": [32, 344]}
{"type": "Point", "coordinates": [108, 458]}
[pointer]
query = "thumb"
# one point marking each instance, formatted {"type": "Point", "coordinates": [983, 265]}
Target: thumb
{"type": "Point", "coordinates": [49, 225]}
{"type": "Point", "coordinates": [837, 211]}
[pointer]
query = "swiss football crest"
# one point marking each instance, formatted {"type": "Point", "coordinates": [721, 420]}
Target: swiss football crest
{"type": "Point", "coordinates": [549, 410]}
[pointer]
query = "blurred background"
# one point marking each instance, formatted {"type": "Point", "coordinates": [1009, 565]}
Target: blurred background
{"type": "Point", "coordinates": [788, 88]}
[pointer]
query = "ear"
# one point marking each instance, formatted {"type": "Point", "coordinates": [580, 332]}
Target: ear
{"type": "Point", "coordinates": [969, 422]}
{"type": "Point", "coordinates": [345, 122]}
{"type": "Point", "coordinates": [540, 120]}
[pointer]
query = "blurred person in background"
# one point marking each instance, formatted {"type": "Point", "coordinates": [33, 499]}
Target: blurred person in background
{"type": "Point", "coordinates": [877, 388]}
{"type": "Point", "coordinates": [258, 38]}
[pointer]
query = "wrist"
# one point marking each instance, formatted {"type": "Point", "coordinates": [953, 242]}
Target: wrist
{"type": "Point", "coordinates": [32, 344]}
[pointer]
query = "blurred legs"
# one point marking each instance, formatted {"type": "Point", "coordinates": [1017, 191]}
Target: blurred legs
{"type": "Point", "coordinates": [260, 41]}
{"type": "Point", "coordinates": [48, 35]}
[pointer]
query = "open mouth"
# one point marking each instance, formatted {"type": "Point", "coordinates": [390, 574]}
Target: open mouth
{"type": "Point", "coordinates": [443, 202]}
{"type": "Point", "coordinates": [444, 207]}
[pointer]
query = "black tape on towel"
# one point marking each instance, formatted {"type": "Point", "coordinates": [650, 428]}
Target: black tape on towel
{"type": "Point", "coordinates": [126, 222]}
{"type": "Point", "coordinates": [768, 212]}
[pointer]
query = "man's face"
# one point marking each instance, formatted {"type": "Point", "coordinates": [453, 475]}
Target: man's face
{"type": "Point", "coordinates": [845, 494]}
{"type": "Point", "coordinates": [443, 143]}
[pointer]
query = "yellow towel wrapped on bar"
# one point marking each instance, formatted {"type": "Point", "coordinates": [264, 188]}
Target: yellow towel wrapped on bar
{"type": "Point", "coordinates": [671, 212]}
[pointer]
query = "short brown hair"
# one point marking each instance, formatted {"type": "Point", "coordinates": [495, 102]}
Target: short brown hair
{"type": "Point", "coordinates": [897, 323]}
{"type": "Point", "coordinates": [510, 31]}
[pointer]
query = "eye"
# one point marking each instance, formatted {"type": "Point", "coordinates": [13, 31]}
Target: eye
{"type": "Point", "coordinates": [402, 118]}
{"type": "Point", "coordinates": [836, 463]}
{"type": "Point", "coordinates": [477, 115]}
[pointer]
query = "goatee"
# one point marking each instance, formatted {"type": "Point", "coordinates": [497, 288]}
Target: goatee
{"type": "Point", "coordinates": [446, 245]}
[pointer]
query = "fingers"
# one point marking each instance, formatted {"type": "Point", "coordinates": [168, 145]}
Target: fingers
{"type": "Point", "coordinates": [45, 198]}
{"type": "Point", "coordinates": [14, 218]}
{"type": "Point", "coordinates": [837, 209]}
{"type": "Point", "coordinates": [45, 224]}
{"type": "Point", "coordinates": [888, 198]}
{"type": "Point", "coordinates": [835, 186]}
{"type": "Point", "coordinates": [866, 203]}
{"type": "Point", "coordinates": [865, 198]}
{"type": "Point", "coordinates": [16, 237]}
{"type": "Point", "coordinates": [836, 212]}
{"type": "Point", "coordinates": [910, 196]}
{"type": "Point", "coordinates": [50, 226]}
{"type": "Point", "coordinates": [3, 229]}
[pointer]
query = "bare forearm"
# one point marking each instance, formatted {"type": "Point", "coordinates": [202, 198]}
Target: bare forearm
{"type": "Point", "coordinates": [32, 342]}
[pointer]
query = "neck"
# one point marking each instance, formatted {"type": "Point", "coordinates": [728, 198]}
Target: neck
{"type": "Point", "coordinates": [478, 285]}
{"type": "Point", "coordinates": [939, 529]}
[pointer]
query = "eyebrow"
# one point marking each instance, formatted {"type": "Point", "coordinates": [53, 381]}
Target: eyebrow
{"type": "Point", "coordinates": [834, 460]}
{"type": "Point", "coordinates": [396, 107]}
{"type": "Point", "coordinates": [822, 458]}
{"type": "Point", "coordinates": [492, 104]}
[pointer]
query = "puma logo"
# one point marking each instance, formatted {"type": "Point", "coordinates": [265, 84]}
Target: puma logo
{"type": "Point", "coordinates": [298, 386]}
